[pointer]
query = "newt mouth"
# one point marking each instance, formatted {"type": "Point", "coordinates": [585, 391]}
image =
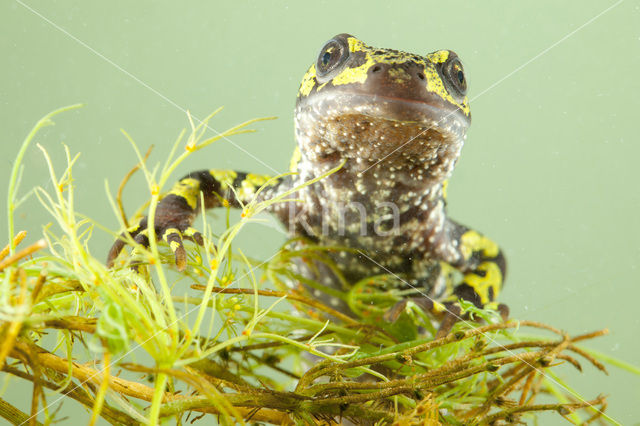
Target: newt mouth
{"type": "Point", "coordinates": [370, 125]}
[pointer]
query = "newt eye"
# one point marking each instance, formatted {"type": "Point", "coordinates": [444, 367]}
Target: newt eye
{"type": "Point", "coordinates": [331, 58]}
{"type": "Point", "coordinates": [454, 74]}
{"type": "Point", "coordinates": [326, 58]}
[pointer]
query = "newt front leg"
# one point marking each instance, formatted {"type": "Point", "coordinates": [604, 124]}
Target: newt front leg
{"type": "Point", "coordinates": [178, 209]}
{"type": "Point", "coordinates": [483, 266]}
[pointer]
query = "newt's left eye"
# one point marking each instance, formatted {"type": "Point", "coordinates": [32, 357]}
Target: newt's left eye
{"type": "Point", "coordinates": [454, 74]}
{"type": "Point", "coordinates": [331, 59]}
{"type": "Point", "coordinates": [326, 59]}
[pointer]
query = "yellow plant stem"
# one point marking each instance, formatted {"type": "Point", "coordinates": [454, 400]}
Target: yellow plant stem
{"type": "Point", "coordinates": [27, 251]}
{"type": "Point", "coordinates": [102, 391]}
{"type": "Point", "coordinates": [13, 328]}
{"type": "Point", "coordinates": [16, 240]}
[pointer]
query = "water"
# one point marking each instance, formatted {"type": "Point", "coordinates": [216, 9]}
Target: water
{"type": "Point", "coordinates": [549, 170]}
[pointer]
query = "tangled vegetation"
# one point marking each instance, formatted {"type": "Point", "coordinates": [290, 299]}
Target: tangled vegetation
{"type": "Point", "coordinates": [231, 338]}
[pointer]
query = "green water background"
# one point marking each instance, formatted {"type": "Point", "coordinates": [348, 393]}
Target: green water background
{"type": "Point", "coordinates": [550, 168]}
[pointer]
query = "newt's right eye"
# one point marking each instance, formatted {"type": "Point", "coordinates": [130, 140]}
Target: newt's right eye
{"type": "Point", "coordinates": [332, 58]}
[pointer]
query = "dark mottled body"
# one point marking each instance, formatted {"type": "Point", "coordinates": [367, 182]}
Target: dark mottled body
{"type": "Point", "coordinates": [396, 122]}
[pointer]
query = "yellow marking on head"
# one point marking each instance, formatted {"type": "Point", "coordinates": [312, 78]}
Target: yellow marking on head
{"type": "Point", "coordinates": [359, 74]}
{"type": "Point", "coordinates": [473, 242]}
{"type": "Point", "coordinates": [435, 83]}
{"type": "Point", "coordinates": [356, 74]}
{"type": "Point", "coordinates": [445, 186]}
{"type": "Point", "coordinates": [308, 81]}
{"type": "Point", "coordinates": [439, 56]}
{"type": "Point", "coordinates": [295, 159]}
{"type": "Point", "coordinates": [356, 45]}
{"type": "Point", "coordinates": [168, 232]}
{"type": "Point", "coordinates": [437, 86]}
{"type": "Point", "coordinates": [224, 177]}
{"type": "Point", "coordinates": [188, 189]}
{"type": "Point", "coordinates": [481, 285]}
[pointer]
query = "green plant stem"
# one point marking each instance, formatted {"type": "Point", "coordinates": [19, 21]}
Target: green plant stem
{"type": "Point", "coordinates": [224, 370]}
{"type": "Point", "coordinates": [13, 180]}
{"type": "Point", "coordinates": [156, 401]}
{"type": "Point", "coordinates": [614, 361]}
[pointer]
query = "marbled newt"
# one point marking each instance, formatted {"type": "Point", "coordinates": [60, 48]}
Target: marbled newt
{"type": "Point", "coordinates": [396, 122]}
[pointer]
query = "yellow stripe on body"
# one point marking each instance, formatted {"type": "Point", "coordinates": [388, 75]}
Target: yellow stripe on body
{"type": "Point", "coordinates": [482, 284]}
{"type": "Point", "coordinates": [474, 242]}
{"type": "Point", "coordinates": [174, 245]}
{"type": "Point", "coordinates": [224, 177]}
{"type": "Point", "coordinates": [168, 232]}
{"type": "Point", "coordinates": [295, 159]}
{"type": "Point", "coordinates": [251, 184]}
{"type": "Point", "coordinates": [187, 188]}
